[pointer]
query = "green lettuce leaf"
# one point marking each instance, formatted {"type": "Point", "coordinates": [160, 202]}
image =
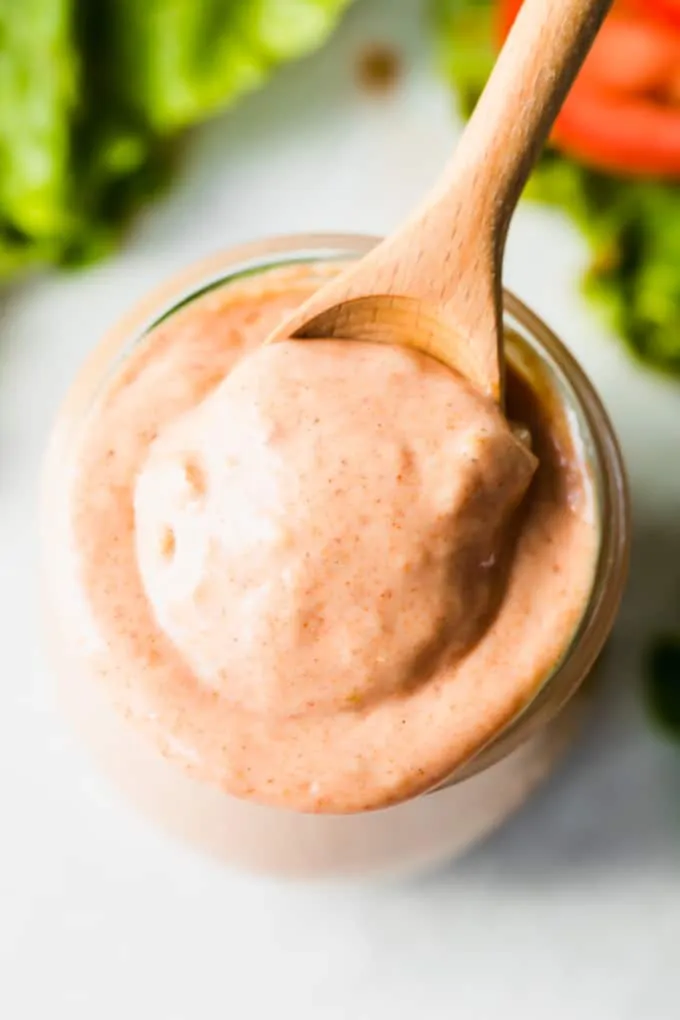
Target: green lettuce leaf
{"type": "Point", "coordinates": [38, 97]}
{"type": "Point", "coordinates": [94, 93]}
{"type": "Point", "coordinates": [178, 61]}
{"type": "Point", "coordinates": [632, 226]}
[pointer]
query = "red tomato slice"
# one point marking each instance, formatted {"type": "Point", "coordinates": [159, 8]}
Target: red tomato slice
{"type": "Point", "coordinates": [667, 11]}
{"type": "Point", "coordinates": [664, 10]}
{"type": "Point", "coordinates": [631, 136]}
{"type": "Point", "coordinates": [623, 113]}
{"type": "Point", "coordinates": [632, 57]}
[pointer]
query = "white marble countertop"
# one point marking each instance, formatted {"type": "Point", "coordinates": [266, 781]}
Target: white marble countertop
{"type": "Point", "coordinates": [573, 910]}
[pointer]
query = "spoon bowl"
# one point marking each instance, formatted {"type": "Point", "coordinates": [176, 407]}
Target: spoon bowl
{"type": "Point", "coordinates": [387, 319]}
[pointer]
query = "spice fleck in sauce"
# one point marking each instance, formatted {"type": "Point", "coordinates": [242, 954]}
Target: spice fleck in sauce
{"type": "Point", "coordinates": [321, 576]}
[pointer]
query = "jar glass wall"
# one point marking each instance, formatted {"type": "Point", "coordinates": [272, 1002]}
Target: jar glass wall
{"type": "Point", "coordinates": [489, 785]}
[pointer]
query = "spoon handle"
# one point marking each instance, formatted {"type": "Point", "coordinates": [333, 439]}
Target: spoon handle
{"type": "Point", "coordinates": [446, 258]}
{"type": "Point", "coordinates": [465, 219]}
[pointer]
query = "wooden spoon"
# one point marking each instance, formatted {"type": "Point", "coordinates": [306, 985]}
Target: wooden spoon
{"type": "Point", "coordinates": [435, 284]}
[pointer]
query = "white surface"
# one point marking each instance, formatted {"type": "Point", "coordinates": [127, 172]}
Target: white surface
{"type": "Point", "coordinates": [573, 910]}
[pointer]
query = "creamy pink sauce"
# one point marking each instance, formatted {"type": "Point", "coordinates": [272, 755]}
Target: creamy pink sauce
{"type": "Point", "coordinates": [324, 575]}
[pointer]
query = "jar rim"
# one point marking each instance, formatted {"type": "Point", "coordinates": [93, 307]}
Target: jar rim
{"type": "Point", "coordinates": [614, 502]}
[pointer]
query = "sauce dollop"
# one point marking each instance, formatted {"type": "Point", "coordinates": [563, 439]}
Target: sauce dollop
{"type": "Point", "coordinates": [319, 574]}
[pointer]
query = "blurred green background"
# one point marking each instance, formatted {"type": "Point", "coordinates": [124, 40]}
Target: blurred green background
{"type": "Point", "coordinates": [95, 96]}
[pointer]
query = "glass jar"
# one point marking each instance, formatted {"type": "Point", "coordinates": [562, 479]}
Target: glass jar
{"type": "Point", "coordinates": [500, 776]}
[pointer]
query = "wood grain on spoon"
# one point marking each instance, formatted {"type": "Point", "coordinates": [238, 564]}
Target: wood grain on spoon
{"type": "Point", "coordinates": [435, 284]}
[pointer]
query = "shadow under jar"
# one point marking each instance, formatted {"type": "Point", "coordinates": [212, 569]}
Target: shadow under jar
{"type": "Point", "coordinates": [494, 780]}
